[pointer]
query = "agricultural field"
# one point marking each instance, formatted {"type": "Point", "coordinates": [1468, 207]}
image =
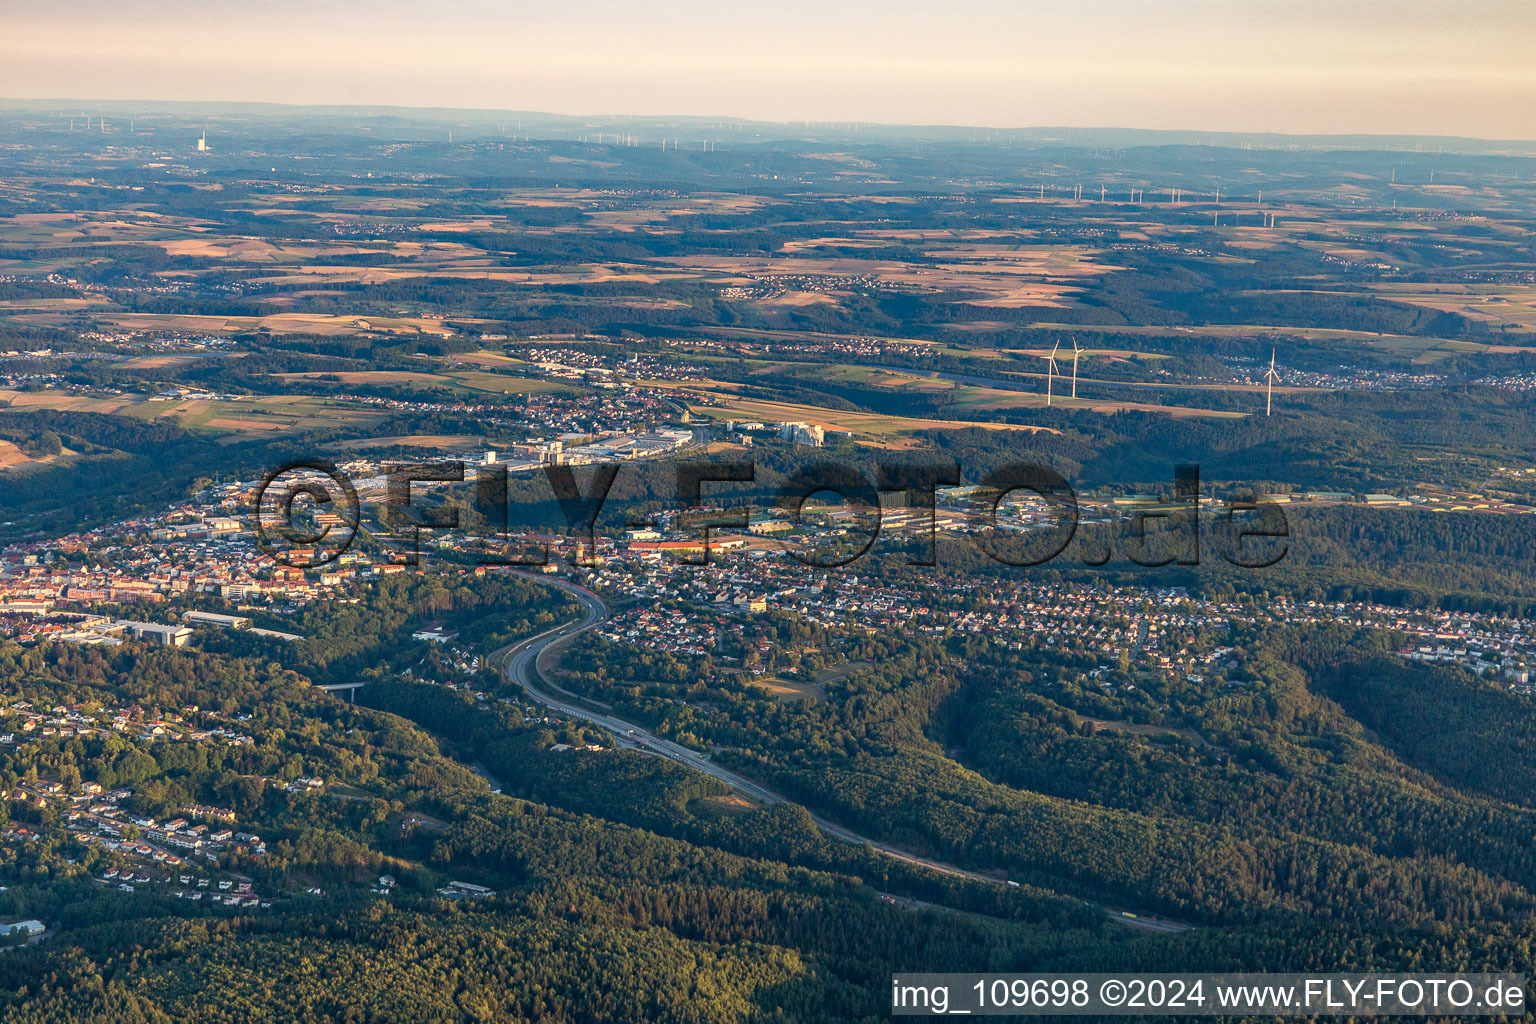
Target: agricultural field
{"type": "Point", "coordinates": [852, 287]}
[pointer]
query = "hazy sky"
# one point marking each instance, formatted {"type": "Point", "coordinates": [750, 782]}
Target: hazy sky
{"type": "Point", "coordinates": [1464, 67]}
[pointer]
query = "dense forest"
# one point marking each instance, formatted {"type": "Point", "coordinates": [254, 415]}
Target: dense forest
{"type": "Point", "coordinates": [628, 862]}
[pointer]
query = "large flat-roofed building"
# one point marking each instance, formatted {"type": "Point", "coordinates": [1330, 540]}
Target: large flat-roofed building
{"type": "Point", "coordinates": [276, 634]}
{"type": "Point", "coordinates": [216, 619]}
{"type": "Point", "coordinates": [28, 927]}
{"type": "Point", "coordinates": [159, 632]}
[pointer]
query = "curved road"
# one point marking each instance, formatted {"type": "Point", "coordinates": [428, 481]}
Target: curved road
{"type": "Point", "coordinates": [519, 664]}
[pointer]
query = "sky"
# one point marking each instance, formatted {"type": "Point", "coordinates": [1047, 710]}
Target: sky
{"type": "Point", "coordinates": [1443, 67]}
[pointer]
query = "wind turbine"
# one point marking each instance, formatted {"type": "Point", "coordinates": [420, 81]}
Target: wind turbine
{"type": "Point", "coordinates": [1269, 383]}
{"type": "Point", "coordinates": [1075, 353]}
{"type": "Point", "coordinates": [1051, 370]}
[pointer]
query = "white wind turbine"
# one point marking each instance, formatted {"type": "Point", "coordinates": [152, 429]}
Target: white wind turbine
{"type": "Point", "coordinates": [1269, 383]}
{"type": "Point", "coordinates": [1051, 370]}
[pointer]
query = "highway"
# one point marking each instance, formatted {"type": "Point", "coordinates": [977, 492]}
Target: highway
{"type": "Point", "coordinates": [519, 664]}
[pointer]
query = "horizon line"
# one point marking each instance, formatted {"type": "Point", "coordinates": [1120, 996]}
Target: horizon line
{"type": "Point", "coordinates": [17, 102]}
